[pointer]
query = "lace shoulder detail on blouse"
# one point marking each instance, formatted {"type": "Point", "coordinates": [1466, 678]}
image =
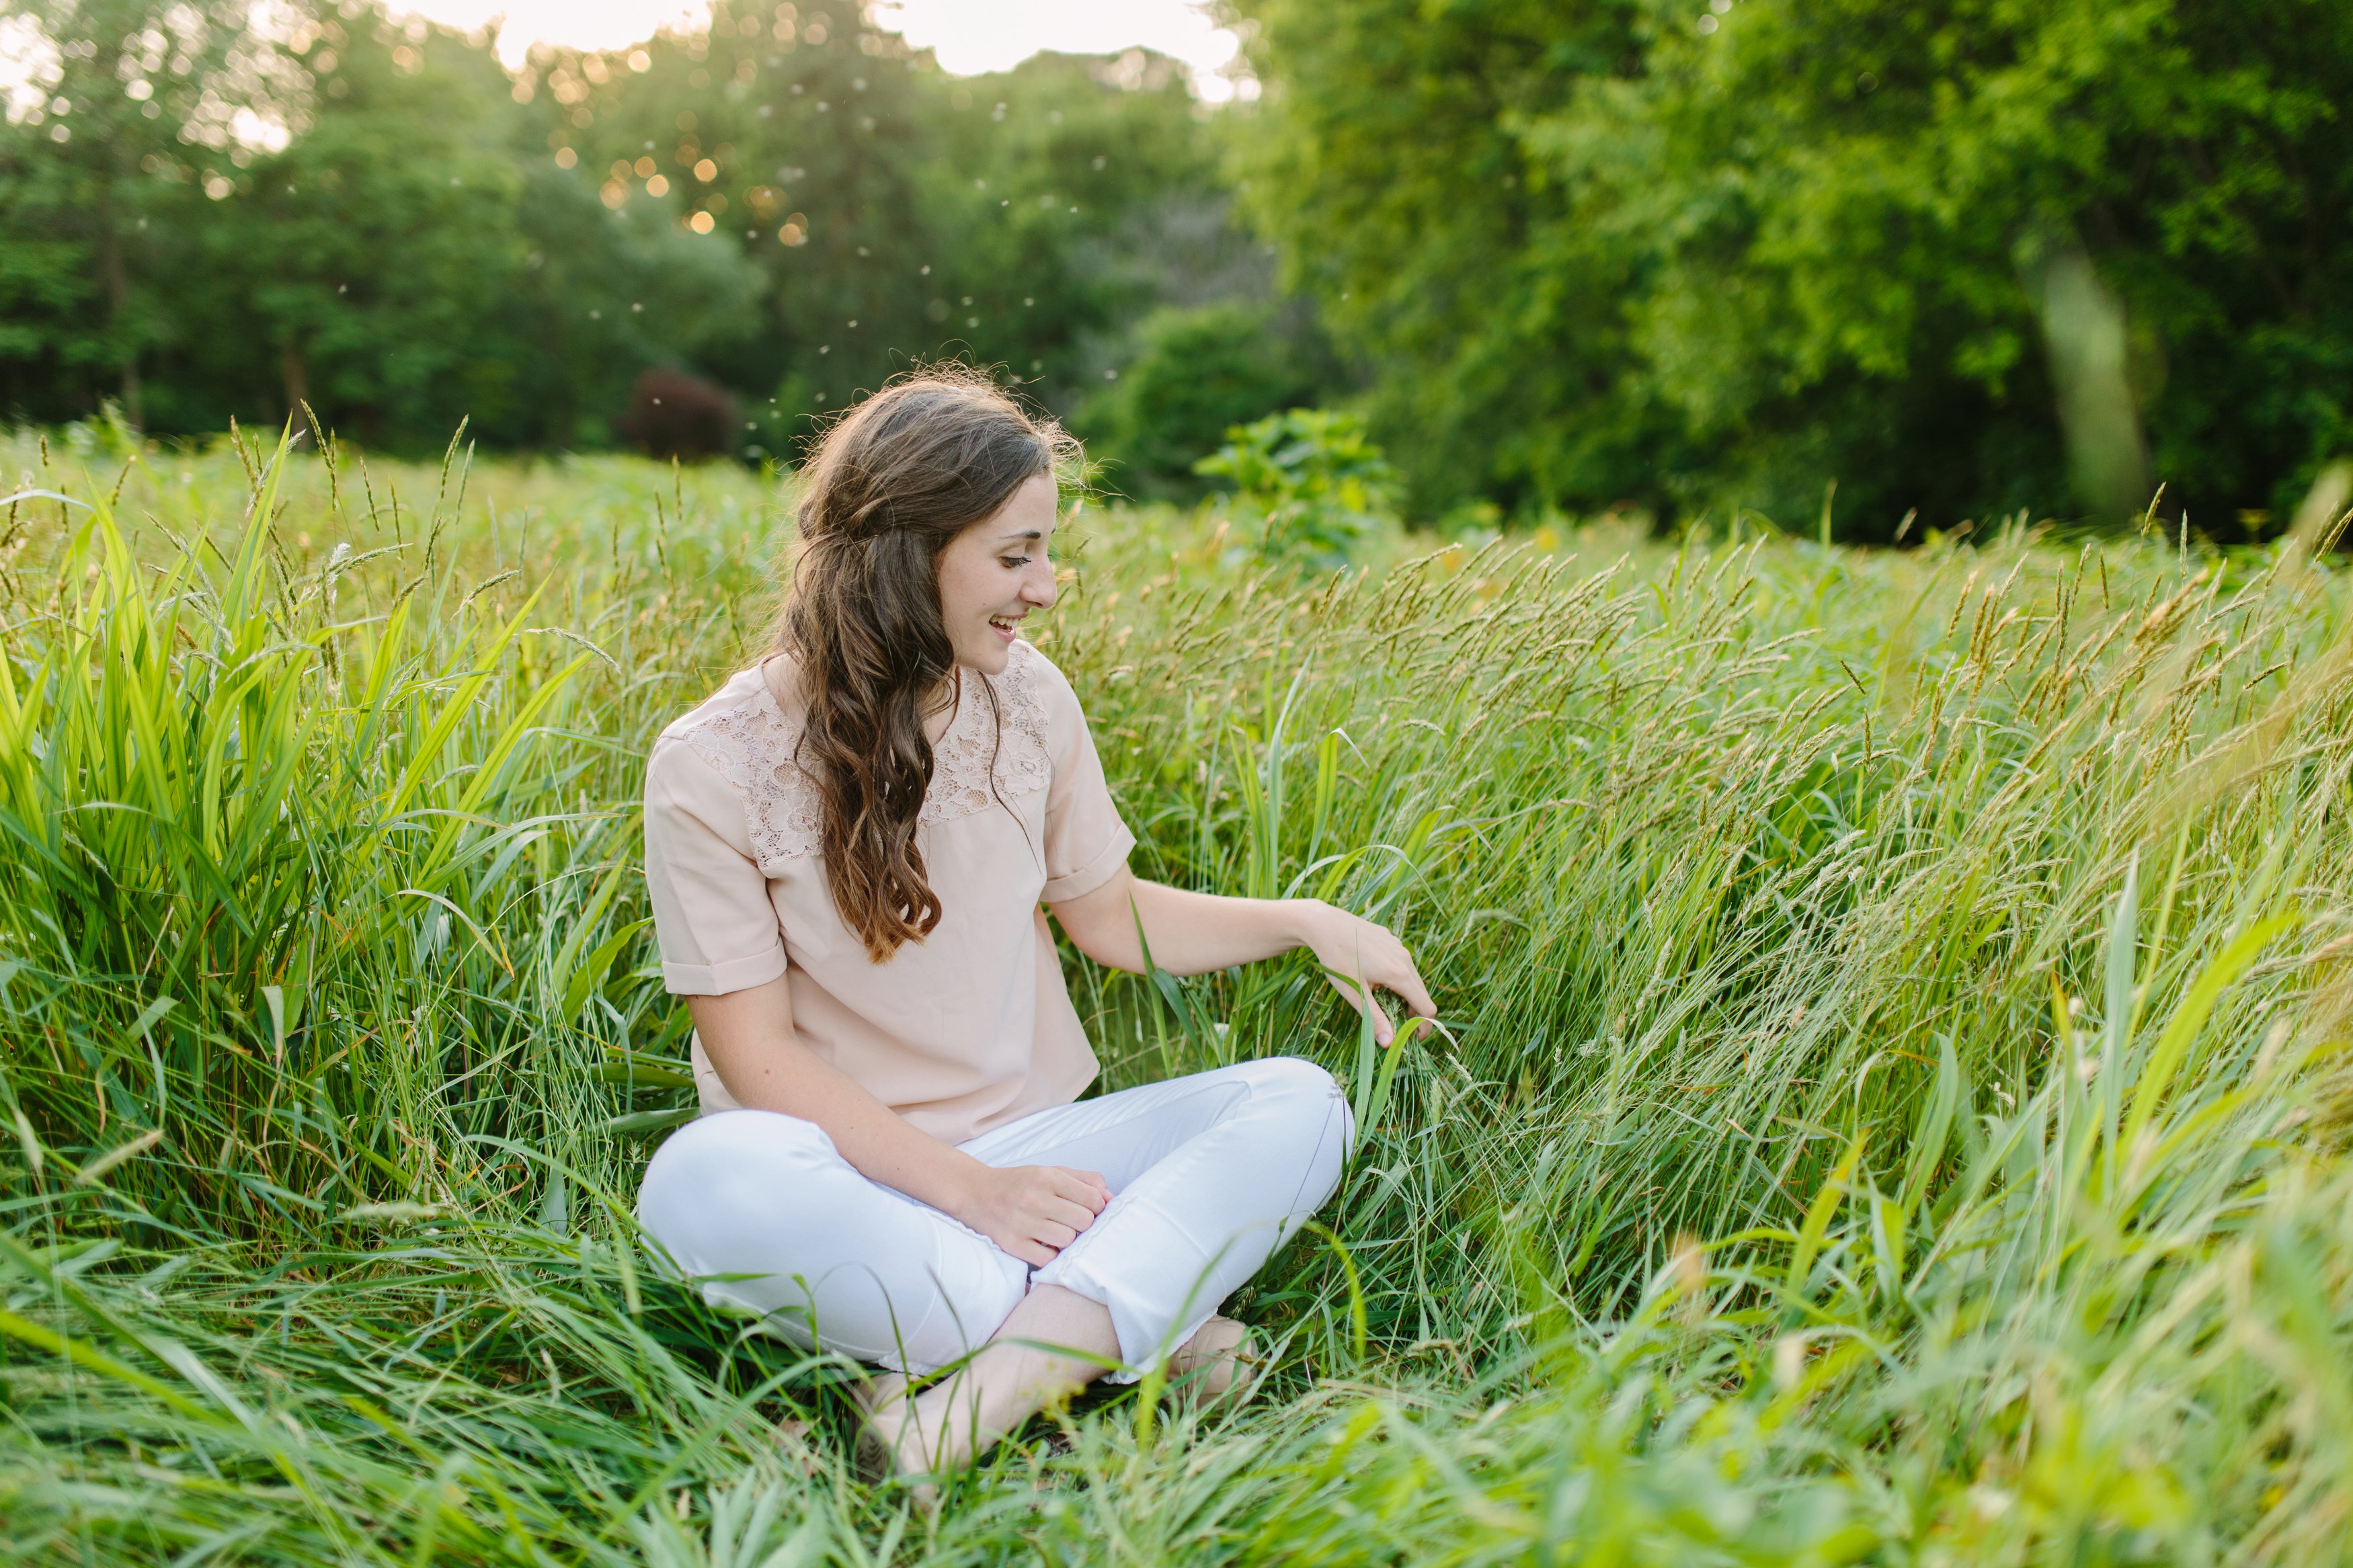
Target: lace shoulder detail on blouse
{"type": "Point", "coordinates": [752, 746]}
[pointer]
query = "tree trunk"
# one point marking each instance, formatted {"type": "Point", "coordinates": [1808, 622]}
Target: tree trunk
{"type": "Point", "coordinates": [2084, 334]}
{"type": "Point", "coordinates": [118, 303]}
{"type": "Point", "coordinates": [297, 375]}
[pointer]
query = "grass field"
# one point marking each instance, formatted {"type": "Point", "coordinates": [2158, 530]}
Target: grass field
{"type": "Point", "coordinates": [1890, 1106]}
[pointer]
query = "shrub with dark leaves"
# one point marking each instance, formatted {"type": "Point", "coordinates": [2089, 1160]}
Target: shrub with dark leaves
{"type": "Point", "coordinates": [674, 414]}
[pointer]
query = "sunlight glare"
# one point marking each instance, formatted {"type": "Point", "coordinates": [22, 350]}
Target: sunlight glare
{"type": "Point", "coordinates": [968, 36]}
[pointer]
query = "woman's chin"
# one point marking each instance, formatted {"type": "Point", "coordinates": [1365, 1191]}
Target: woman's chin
{"type": "Point", "coordinates": [989, 657]}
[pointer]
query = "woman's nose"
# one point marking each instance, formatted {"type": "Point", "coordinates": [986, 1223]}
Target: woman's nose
{"type": "Point", "coordinates": [1038, 589]}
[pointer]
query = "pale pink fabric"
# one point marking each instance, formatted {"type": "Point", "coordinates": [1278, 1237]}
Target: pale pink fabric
{"type": "Point", "coordinates": [964, 1031]}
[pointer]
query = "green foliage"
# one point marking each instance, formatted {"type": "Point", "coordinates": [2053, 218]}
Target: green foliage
{"type": "Point", "coordinates": [1630, 248]}
{"type": "Point", "coordinates": [453, 276]}
{"type": "Point", "coordinates": [396, 265]}
{"type": "Point", "coordinates": [1885, 174]}
{"type": "Point", "coordinates": [1891, 1105]}
{"type": "Point", "coordinates": [1316, 481]}
{"type": "Point", "coordinates": [86, 229]}
{"type": "Point", "coordinates": [1066, 199]}
{"type": "Point", "coordinates": [1197, 372]}
{"type": "Point", "coordinates": [1390, 167]}
{"type": "Point", "coordinates": [792, 204]}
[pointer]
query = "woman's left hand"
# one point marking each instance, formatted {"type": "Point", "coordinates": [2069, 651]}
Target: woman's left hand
{"type": "Point", "coordinates": [1357, 954]}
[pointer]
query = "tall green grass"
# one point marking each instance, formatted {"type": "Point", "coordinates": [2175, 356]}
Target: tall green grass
{"type": "Point", "coordinates": [1889, 1104]}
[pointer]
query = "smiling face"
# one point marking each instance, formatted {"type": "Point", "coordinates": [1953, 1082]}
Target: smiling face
{"type": "Point", "coordinates": [995, 573]}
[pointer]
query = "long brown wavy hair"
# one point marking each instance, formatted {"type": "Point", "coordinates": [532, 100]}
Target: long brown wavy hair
{"type": "Point", "coordinates": [882, 492]}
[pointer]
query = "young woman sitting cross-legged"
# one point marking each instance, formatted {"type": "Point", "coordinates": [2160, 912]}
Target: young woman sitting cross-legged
{"type": "Point", "coordinates": [852, 847]}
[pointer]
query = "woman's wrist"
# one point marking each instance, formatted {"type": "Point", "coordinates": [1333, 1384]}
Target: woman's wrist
{"type": "Point", "coordinates": [1304, 920]}
{"type": "Point", "coordinates": [964, 1181]}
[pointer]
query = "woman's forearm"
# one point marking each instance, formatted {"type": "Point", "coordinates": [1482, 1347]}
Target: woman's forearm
{"type": "Point", "coordinates": [749, 1038]}
{"type": "Point", "coordinates": [1189, 933]}
{"type": "Point", "coordinates": [1192, 933]}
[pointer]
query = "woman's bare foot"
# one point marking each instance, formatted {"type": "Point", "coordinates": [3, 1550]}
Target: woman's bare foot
{"type": "Point", "coordinates": [1054, 1343]}
{"type": "Point", "coordinates": [890, 1438]}
{"type": "Point", "coordinates": [1026, 1366]}
{"type": "Point", "coordinates": [870, 1394]}
{"type": "Point", "coordinates": [1219, 1362]}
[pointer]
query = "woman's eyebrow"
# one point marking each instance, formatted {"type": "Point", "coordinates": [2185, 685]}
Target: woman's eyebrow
{"type": "Point", "coordinates": [1031, 534]}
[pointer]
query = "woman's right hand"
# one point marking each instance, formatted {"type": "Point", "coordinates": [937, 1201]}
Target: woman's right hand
{"type": "Point", "coordinates": [1032, 1211]}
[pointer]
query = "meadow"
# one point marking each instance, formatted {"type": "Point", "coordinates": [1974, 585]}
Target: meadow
{"type": "Point", "coordinates": [1889, 1107]}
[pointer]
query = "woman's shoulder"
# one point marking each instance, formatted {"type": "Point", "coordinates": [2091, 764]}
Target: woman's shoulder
{"type": "Point", "coordinates": [737, 745]}
{"type": "Point", "coordinates": [1033, 676]}
{"type": "Point", "coordinates": [736, 719]}
{"type": "Point", "coordinates": [736, 732]}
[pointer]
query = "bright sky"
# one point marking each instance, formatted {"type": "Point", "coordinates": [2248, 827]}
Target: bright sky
{"type": "Point", "coordinates": [969, 36]}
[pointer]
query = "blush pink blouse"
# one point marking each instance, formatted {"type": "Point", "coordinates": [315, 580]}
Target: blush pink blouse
{"type": "Point", "coordinates": [958, 1033]}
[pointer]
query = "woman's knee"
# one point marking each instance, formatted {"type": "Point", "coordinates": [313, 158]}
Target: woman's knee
{"type": "Point", "coordinates": [1293, 1077]}
{"type": "Point", "coordinates": [707, 1171]}
{"type": "Point", "coordinates": [731, 1141]}
{"type": "Point", "coordinates": [1299, 1089]}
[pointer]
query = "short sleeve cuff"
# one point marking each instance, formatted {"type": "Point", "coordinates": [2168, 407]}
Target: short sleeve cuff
{"type": "Point", "coordinates": [726, 976]}
{"type": "Point", "coordinates": [1086, 878]}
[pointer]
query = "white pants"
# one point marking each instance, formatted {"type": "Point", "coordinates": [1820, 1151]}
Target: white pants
{"type": "Point", "coordinates": [1208, 1175]}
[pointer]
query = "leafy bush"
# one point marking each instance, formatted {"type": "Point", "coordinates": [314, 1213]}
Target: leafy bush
{"type": "Point", "coordinates": [1314, 478]}
{"type": "Point", "coordinates": [674, 414]}
{"type": "Point", "coordinates": [1197, 372]}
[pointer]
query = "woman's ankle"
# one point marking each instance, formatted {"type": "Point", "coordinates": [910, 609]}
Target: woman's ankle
{"type": "Point", "coordinates": [896, 1440]}
{"type": "Point", "coordinates": [1216, 1362]}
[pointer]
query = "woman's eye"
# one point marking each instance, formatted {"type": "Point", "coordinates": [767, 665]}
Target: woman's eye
{"type": "Point", "coordinates": [1013, 562]}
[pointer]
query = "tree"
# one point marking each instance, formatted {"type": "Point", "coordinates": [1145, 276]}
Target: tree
{"type": "Point", "coordinates": [226, 220]}
{"type": "Point", "coordinates": [86, 224]}
{"type": "Point", "coordinates": [1026, 219]}
{"type": "Point", "coordinates": [1884, 243]}
{"type": "Point", "coordinates": [1079, 195]}
{"type": "Point", "coordinates": [363, 283]}
{"type": "Point", "coordinates": [1391, 163]}
{"type": "Point", "coordinates": [1902, 200]}
{"type": "Point", "coordinates": [405, 266]}
{"type": "Point", "coordinates": [247, 208]}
